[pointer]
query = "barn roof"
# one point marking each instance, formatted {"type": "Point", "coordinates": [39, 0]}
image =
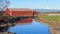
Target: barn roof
{"type": "Point", "coordinates": [20, 9]}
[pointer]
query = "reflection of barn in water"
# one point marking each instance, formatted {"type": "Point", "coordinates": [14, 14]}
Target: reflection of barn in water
{"type": "Point", "coordinates": [20, 12]}
{"type": "Point", "coordinates": [16, 12]}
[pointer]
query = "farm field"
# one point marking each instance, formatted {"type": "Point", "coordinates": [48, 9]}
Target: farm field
{"type": "Point", "coordinates": [50, 18]}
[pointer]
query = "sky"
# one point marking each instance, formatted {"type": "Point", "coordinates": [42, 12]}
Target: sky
{"type": "Point", "coordinates": [35, 4]}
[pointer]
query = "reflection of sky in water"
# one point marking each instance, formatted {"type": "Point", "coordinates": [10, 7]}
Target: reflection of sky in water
{"type": "Point", "coordinates": [33, 28]}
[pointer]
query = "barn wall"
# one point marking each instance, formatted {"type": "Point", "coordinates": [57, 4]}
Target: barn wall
{"type": "Point", "coordinates": [22, 13]}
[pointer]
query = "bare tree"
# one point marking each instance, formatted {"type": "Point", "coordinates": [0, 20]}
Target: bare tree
{"type": "Point", "coordinates": [4, 4]}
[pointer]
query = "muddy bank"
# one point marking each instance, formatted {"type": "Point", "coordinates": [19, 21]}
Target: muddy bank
{"type": "Point", "coordinates": [54, 27]}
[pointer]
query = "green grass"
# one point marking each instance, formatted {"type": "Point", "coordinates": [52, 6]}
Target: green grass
{"type": "Point", "coordinates": [53, 18]}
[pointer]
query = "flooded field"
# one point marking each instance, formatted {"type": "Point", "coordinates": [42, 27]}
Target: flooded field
{"type": "Point", "coordinates": [30, 28]}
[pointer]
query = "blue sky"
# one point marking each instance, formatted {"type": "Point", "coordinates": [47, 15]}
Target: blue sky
{"type": "Point", "coordinates": [35, 4]}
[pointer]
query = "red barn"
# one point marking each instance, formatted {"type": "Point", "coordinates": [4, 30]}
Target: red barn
{"type": "Point", "coordinates": [35, 13]}
{"type": "Point", "coordinates": [20, 12]}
